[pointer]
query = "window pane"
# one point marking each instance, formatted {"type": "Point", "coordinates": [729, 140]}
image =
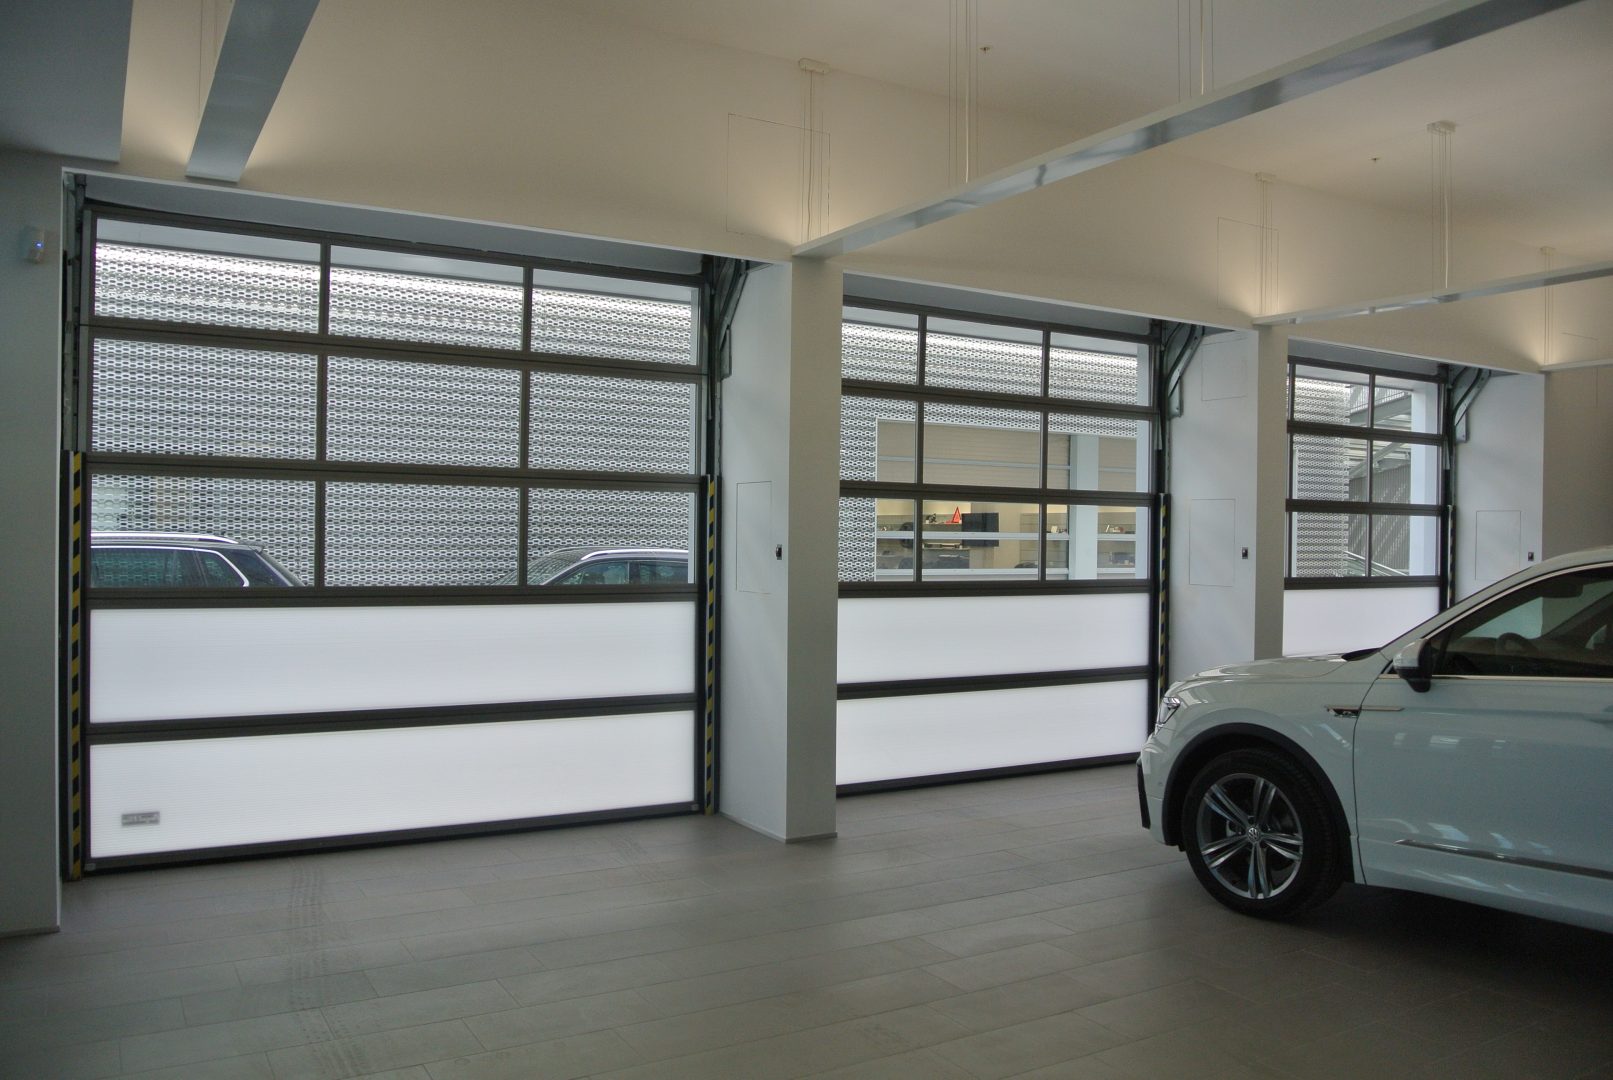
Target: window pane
{"type": "Point", "coordinates": [276, 516]}
{"type": "Point", "coordinates": [159, 398]}
{"type": "Point", "coordinates": [1085, 543]}
{"type": "Point", "coordinates": [1327, 545]}
{"type": "Point", "coordinates": [876, 539]}
{"type": "Point", "coordinates": [976, 356]}
{"type": "Point", "coordinates": [980, 541]}
{"type": "Point", "coordinates": [1405, 473]}
{"type": "Point", "coordinates": [419, 534]}
{"type": "Point", "coordinates": [1406, 404]}
{"type": "Point", "coordinates": [612, 318]}
{"type": "Point", "coordinates": [1325, 396]}
{"type": "Point", "coordinates": [1405, 544]}
{"type": "Point", "coordinates": [212, 278]}
{"type": "Point", "coordinates": [989, 447]}
{"type": "Point", "coordinates": [425, 414]}
{"type": "Point", "coordinates": [876, 439]}
{"type": "Point", "coordinates": [1095, 369]}
{"type": "Point", "coordinates": [379, 294]}
{"type": "Point", "coordinates": [1328, 468]}
{"type": "Point", "coordinates": [1558, 627]}
{"type": "Point", "coordinates": [572, 528]}
{"type": "Point", "coordinates": [1097, 453]}
{"type": "Point", "coordinates": [598, 422]}
{"type": "Point", "coordinates": [880, 345]}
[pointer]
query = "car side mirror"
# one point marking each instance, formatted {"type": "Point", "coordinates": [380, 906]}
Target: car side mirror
{"type": "Point", "coordinates": [1414, 665]}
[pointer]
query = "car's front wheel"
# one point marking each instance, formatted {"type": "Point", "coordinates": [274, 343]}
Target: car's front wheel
{"type": "Point", "coordinates": [1259, 834]}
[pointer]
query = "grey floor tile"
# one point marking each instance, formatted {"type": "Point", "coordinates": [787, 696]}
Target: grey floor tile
{"type": "Point", "coordinates": [1017, 1002]}
{"type": "Point", "coordinates": [917, 1063]}
{"type": "Point", "coordinates": [420, 1007]}
{"type": "Point", "coordinates": [379, 1052]}
{"type": "Point", "coordinates": [314, 963]}
{"type": "Point", "coordinates": [1005, 966]}
{"type": "Point", "coordinates": [586, 980]}
{"type": "Point", "coordinates": [264, 999]}
{"type": "Point", "coordinates": [92, 1025]}
{"type": "Point", "coordinates": [1154, 1012]}
{"type": "Point", "coordinates": [247, 1067]}
{"type": "Point", "coordinates": [559, 1019]}
{"type": "Point", "coordinates": [405, 978]}
{"type": "Point", "coordinates": [1034, 1044]}
{"type": "Point", "coordinates": [75, 1061]}
{"type": "Point", "coordinates": [986, 937]}
{"type": "Point", "coordinates": [232, 1038]}
{"type": "Point", "coordinates": [557, 1059]}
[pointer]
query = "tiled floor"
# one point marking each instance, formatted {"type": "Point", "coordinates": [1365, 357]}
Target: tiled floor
{"type": "Point", "coordinates": [1017, 928]}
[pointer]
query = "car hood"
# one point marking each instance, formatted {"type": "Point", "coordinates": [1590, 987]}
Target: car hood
{"type": "Point", "coordinates": [1286, 667]}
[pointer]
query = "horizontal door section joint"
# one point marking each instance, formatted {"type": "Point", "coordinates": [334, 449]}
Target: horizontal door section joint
{"type": "Point", "coordinates": [1012, 587]}
{"type": "Point", "coordinates": [884, 489]}
{"type": "Point", "coordinates": [1028, 402]}
{"type": "Point", "coordinates": [1380, 582]}
{"type": "Point", "coordinates": [104, 599]}
{"type": "Point", "coordinates": [226, 727]}
{"type": "Point", "coordinates": [1345, 506]}
{"type": "Point", "coordinates": [383, 839]}
{"type": "Point", "coordinates": [117, 212]}
{"type": "Point", "coordinates": [231, 337]}
{"type": "Point", "coordinates": [871, 787]}
{"type": "Point", "coordinates": [958, 684]}
{"type": "Point", "coordinates": [1364, 434]}
{"type": "Point", "coordinates": [994, 320]}
{"type": "Point", "coordinates": [383, 472]}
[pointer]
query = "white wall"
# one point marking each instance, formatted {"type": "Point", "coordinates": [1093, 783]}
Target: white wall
{"type": "Point", "coordinates": [780, 470]}
{"type": "Point", "coordinates": [1212, 486]}
{"type": "Point", "coordinates": [30, 407]}
{"type": "Point", "coordinates": [1500, 471]}
{"type": "Point", "coordinates": [1577, 511]}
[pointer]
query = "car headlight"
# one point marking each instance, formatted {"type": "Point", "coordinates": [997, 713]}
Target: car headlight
{"type": "Point", "coordinates": [1167, 709]}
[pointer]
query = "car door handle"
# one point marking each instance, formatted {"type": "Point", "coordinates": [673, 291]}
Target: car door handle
{"type": "Point", "coordinates": [1357, 710]}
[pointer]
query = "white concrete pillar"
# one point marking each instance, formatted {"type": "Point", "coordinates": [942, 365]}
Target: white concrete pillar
{"type": "Point", "coordinates": [1271, 489]}
{"type": "Point", "coordinates": [780, 490]}
{"type": "Point", "coordinates": [30, 409]}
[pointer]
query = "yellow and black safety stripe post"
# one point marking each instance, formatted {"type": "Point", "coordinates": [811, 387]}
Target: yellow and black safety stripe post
{"type": "Point", "coordinates": [708, 794]}
{"type": "Point", "coordinates": [75, 669]}
{"type": "Point", "coordinates": [1164, 578]}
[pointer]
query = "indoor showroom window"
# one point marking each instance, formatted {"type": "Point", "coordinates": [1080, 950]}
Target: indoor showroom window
{"type": "Point", "coordinates": [1366, 506]}
{"type": "Point", "coordinates": [995, 545]}
{"type": "Point", "coordinates": [371, 530]}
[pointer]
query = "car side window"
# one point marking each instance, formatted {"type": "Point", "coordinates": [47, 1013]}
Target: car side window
{"type": "Point", "coordinates": [603, 572]}
{"type": "Point", "coordinates": [137, 568]}
{"type": "Point", "coordinates": [660, 572]}
{"type": "Point", "coordinates": [1556, 627]}
{"type": "Point", "coordinates": [216, 573]}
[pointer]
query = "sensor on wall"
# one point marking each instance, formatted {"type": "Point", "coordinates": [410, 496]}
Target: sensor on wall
{"type": "Point", "coordinates": [34, 245]}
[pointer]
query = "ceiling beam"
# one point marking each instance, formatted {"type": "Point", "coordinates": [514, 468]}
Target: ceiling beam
{"type": "Point", "coordinates": [1437, 28]}
{"type": "Point", "coordinates": [259, 45]}
{"type": "Point", "coordinates": [1523, 282]}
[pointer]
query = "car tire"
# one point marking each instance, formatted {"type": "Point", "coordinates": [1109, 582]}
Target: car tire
{"type": "Point", "coordinates": [1260, 836]}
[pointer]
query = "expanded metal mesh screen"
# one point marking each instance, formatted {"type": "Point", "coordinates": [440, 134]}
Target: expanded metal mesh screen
{"type": "Point", "coordinates": [598, 422]}
{"type": "Point", "coordinates": [137, 282]}
{"type": "Point", "coordinates": [276, 515]}
{"type": "Point", "coordinates": [560, 518]}
{"type": "Point", "coordinates": [981, 364]}
{"type": "Point", "coordinates": [886, 353]}
{"type": "Point", "coordinates": [410, 412]}
{"type": "Point", "coordinates": [1093, 376]}
{"type": "Point", "coordinates": [163, 398]}
{"type": "Point", "coordinates": [412, 307]}
{"type": "Point", "coordinates": [857, 548]}
{"type": "Point", "coordinates": [420, 534]}
{"type": "Point", "coordinates": [613, 327]}
{"type": "Point", "coordinates": [860, 451]}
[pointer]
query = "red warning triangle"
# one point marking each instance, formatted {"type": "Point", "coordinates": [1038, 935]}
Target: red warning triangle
{"type": "Point", "coordinates": [957, 516]}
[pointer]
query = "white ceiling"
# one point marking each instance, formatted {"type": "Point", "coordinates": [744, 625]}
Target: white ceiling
{"type": "Point", "coordinates": [1080, 65]}
{"type": "Point", "coordinates": [1533, 156]}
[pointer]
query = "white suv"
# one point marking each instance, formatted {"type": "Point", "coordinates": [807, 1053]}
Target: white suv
{"type": "Point", "coordinates": [1471, 758]}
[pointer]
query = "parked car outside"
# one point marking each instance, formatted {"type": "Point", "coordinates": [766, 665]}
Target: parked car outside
{"type": "Point", "coordinates": [609, 566]}
{"type": "Point", "coordinates": [1470, 758]}
{"type": "Point", "coordinates": [125, 560]}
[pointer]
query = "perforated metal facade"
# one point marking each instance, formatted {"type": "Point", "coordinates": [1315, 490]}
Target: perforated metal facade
{"type": "Point", "coordinates": [133, 282]}
{"type": "Point", "coordinates": [439, 310]}
{"type": "Point", "coordinates": [417, 413]}
{"type": "Point", "coordinates": [613, 327]}
{"type": "Point", "coordinates": [593, 422]}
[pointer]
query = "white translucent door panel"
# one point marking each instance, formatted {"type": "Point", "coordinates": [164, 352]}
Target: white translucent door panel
{"type": "Point", "coordinates": [1338, 620]}
{"type": "Point", "coordinates": [927, 637]}
{"type": "Point", "coordinates": [205, 793]}
{"type": "Point", "coordinates": [195, 662]}
{"type": "Point", "coordinates": [933, 734]}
